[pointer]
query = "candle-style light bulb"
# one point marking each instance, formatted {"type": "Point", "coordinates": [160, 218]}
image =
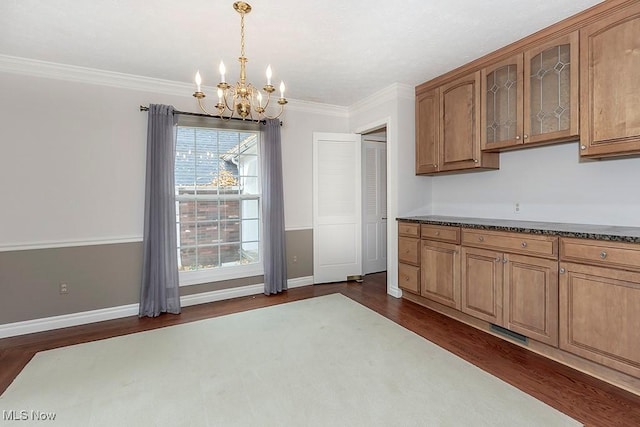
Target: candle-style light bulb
{"type": "Point", "coordinates": [198, 81]}
{"type": "Point", "coordinates": [222, 71]}
{"type": "Point", "coordinates": [269, 74]}
{"type": "Point", "coordinates": [259, 99]}
{"type": "Point", "coordinates": [281, 89]}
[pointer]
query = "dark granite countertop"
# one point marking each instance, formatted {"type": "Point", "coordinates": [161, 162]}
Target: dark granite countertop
{"type": "Point", "coordinates": [584, 231]}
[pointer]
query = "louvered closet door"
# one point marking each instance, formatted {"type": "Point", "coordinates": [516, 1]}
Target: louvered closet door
{"type": "Point", "coordinates": [374, 205]}
{"type": "Point", "coordinates": [337, 202]}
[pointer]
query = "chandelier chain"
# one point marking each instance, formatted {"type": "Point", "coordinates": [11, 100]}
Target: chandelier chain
{"type": "Point", "coordinates": [242, 34]}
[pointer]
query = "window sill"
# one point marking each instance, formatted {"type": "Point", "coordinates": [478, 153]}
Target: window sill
{"type": "Point", "coordinates": [189, 278]}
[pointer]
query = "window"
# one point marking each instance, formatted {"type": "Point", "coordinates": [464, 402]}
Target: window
{"type": "Point", "coordinates": [217, 204]}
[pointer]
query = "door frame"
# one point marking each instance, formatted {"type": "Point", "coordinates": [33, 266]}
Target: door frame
{"type": "Point", "coordinates": [392, 232]}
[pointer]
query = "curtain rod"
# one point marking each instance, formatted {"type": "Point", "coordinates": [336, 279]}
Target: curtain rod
{"type": "Point", "coordinates": [187, 113]}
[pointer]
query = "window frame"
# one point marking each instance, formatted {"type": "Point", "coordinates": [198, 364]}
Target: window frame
{"type": "Point", "coordinates": [223, 273]}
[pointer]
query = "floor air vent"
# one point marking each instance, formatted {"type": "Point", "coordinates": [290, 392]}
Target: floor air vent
{"type": "Point", "coordinates": [510, 334]}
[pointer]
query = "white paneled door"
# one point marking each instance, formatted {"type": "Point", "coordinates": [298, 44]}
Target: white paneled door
{"type": "Point", "coordinates": [337, 212]}
{"type": "Point", "coordinates": [374, 206]}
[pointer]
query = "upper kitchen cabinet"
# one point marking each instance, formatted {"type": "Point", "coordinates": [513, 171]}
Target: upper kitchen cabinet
{"type": "Point", "coordinates": [532, 97]}
{"type": "Point", "coordinates": [501, 107]}
{"type": "Point", "coordinates": [610, 85]}
{"type": "Point", "coordinates": [459, 127]}
{"type": "Point", "coordinates": [427, 132]}
{"type": "Point", "coordinates": [551, 73]}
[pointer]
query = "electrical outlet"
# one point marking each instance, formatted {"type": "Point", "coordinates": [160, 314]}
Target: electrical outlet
{"type": "Point", "coordinates": [64, 288]}
{"type": "Point", "coordinates": [295, 259]}
{"type": "Point", "coordinates": [516, 207]}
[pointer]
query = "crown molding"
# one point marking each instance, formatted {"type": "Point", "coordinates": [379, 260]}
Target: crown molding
{"type": "Point", "coordinates": [73, 73]}
{"type": "Point", "coordinates": [390, 93]}
{"type": "Point", "coordinates": [317, 108]}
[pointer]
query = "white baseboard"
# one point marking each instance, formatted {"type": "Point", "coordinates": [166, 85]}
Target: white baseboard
{"type": "Point", "coordinates": [66, 320]}
{"type": "Point", "coordinates": [395, 292]}
{"type": "Point", "coordinates": [110, 313]}
{"type": "Point", "coordinates": [300, 281]}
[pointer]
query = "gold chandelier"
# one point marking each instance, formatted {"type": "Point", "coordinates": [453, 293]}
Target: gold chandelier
{"type": "Point", "coordinates": [243, 98]}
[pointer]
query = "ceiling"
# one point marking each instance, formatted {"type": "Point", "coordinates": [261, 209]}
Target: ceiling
{"type": "Point", "coordinates": [330, 51]}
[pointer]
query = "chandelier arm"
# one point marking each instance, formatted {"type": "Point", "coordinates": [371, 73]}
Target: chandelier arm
{"type": "Point", "coordinates": [277, 115]}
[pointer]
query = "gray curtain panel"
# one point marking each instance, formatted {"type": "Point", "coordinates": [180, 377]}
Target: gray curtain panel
{"type": "Point", "coordinates": [159, 292]}
{"type": "Point", "coordinates": [275, 257]}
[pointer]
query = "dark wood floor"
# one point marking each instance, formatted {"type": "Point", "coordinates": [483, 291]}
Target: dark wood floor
{"type": "Point", "coordinates": [586, 399]}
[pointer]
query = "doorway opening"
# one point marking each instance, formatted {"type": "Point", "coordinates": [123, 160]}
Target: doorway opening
{"type": "Point", "coordinates": [374, 200]}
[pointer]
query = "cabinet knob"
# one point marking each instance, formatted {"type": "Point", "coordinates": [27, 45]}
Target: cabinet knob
{"type": "Point", "coordinates": [475, 160]}
{"type": "Point", "coordinates": [505, 260]}
{"type": "Point", "coordinates": [435, 166]}
{"type": "Point", "coordinates": [562, 270]}
{"type": "Point", "coordinates": [526, 136]}
{"type": "Point", "coordinates": [603, 254]}
{"type": "Point", "coordinates": [437, 233]}
{"type": "Point", "coordinates": [583, 147]}
{"type": "Point", "coordinates": [517, 137]}
{"type": "Point", "coordinates": [481, 238]}
{"type": "Point", "coordinates": [498, 259]}
{"type": "Point", "coordinates": [524, 244]}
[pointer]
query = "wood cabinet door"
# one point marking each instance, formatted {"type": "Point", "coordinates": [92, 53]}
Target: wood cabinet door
{"type": "Point", "coordinates": [427, 132]}
{"type": "Point", "coordinates": [551, 73]}
{"type": "Point", "coordinates": [531, 297]}
{"type": "Point", "coordinates": [460, 124]}
{"type": "Point", "coordinates": [600, 315]}
{"type": "Point", "coordinates": [440, 273]}
{"type": "Point", "coordinates": [609, 85]}
{"type": "Point", "coordinates": [501, 104]}
{"type": "Point", "coordinates": [482, 277]}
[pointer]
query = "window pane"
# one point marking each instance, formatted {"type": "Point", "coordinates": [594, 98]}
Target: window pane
{"type": "Point", "coordinates": [208, 257]}
{"type": "Point", "coordinates": [250, 230]}
{"type": "Point", "coordinates": [229, 231]}
{"type": "Point", "coordinates": [250, 253]}
{"type": "Point", "coordinates": [229, 209]}
{"type": "Point", "coordinates": [187, 234]}
{"type": "Point", "coordinates": [249, 185]}
{"type": "Point", "coordinates": [207, 233]}
{"type": "Point", "coordinates": [230, 254]}
{"type": "Point", "coordinates": [187, 260]}
{"type": "Point", "coordinates": [250, 209]}
{"type": "Point", "coordinates": [207, 210]}
{"type": "Point", "coordinates": [186, 210]}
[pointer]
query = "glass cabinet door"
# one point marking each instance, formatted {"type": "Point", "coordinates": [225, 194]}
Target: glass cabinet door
{"type": "Point", "coordinates": [502, 104]}
{"type": "Point", "coordinates": [551, 91]}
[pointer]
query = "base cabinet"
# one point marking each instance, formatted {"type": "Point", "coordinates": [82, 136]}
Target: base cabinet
{"type": "Point", "coordinates": [482, 277]}
{"type": "Point", "coordinates": [440, 273]}
{"type": "Point", "coordinates": [600, 315]}
{"type": "Point", "coordinates": [517, 292]}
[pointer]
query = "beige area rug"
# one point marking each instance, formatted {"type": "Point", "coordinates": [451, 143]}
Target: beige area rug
{"type": "Point", "coordinates": [326, 361]}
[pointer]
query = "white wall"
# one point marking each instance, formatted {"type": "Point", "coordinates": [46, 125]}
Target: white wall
{"type": "Point", "coordinates": [407, 194]}
{"type": "Point", "coordinates": [550, 184]}
{"type": "Point", "coordinates": [297, 151]}
{"type": "Point", "coordinates": [72, 167]}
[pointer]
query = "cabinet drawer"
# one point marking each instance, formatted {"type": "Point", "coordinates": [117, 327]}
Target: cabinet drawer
{"type": "Point", "coordinates": [521, 243]}
{"type": "Point", "coordinates": [410, 229]}
{"type": "Point", "coordinates": [409, 250]}
{"type": "Point", "coordinates": [441, 233]}
{"type": "Point", "coordinates": [409, 278]}
{"type": "Point", "coordinates": [625, 256]}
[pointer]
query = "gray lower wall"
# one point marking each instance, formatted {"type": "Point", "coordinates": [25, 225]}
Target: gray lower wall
{"type": "Point", "coordinates": [102, 276]}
